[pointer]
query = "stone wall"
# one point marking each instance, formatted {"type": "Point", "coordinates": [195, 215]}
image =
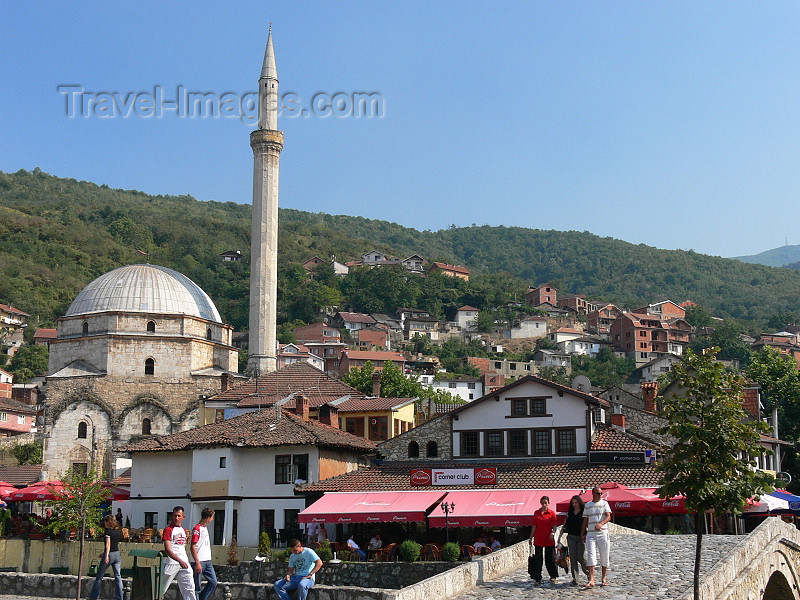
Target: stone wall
{"type": "Point", "coordinates": [436, 430]}
{"type": "Point", "coordinates": [644, 424]}
{"type": "Point", "coordinates": [388, 575]}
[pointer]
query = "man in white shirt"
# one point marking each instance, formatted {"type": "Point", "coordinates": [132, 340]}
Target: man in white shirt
{"type": "Point", "coordinates": [176, 564]}
{"type": "Point", "coordinates": [201, 553]}
{"type": "Point", "coordinates": [596, 515]}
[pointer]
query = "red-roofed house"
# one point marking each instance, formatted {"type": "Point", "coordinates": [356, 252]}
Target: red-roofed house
{"type": "Point", "coordinates": [43, 336]}
{"type": "Point", "coordinates": [666, 310]}
{"type": "Point", "coordinates": [599, 321]}
{"type": "Point", "coordinates": [358, 358]}
{"type": "Point", "coordinates": [350, 321]}
{"type": "Point", "coordinates": [317, 332]}
{"type": "Point", "coordinates": [451, 270]}
{"type": "Point", "coordinates": [291, 353]}
{"type": "Point", "coordinates": [15, 417]}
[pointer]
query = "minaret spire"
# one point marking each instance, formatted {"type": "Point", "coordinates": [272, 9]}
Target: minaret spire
{"type": "Point", "coordinates": [267, 143]}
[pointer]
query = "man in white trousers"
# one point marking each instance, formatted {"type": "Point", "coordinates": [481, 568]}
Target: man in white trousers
{"type": "Point", "coordinates": [596, 515]}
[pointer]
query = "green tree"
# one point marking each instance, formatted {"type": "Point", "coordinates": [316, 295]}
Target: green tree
{"type": "Point", "coordinates": [709, 464]}
{"type": "Point", "coordinates": [28, 362]}
{"type": "Point", "coordinates": [606, 370]}
{"type": "Point", "coordinates": [779, 379]}
{"type": "Point", "coordinates": [727, 337]}
{"type": "Point", "coordinates": [77, 505]}
{"type": "Point", "coordinates": [394, 384]}
{"type": "Point", "coordinates": [697, 316]}
{"type": "Point", "coordinates": [557, 374]}
{"type": "Point", "coordinates": [360, 378]}
{"type": "Point", "coordinates": [28, 454]}
{"type": "Point", "coordinates": [485, 321]}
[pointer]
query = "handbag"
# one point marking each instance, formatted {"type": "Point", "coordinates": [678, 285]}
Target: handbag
{"type": "Point", "coordinates": [531, 560]}
{"type": "Point", "coordinates": [94, 567]}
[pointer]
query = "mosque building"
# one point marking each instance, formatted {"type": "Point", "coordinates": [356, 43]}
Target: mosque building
{"type": "Point", "coordinates": [136, 352]}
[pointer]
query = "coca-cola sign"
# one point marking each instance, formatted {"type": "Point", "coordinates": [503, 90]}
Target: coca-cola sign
{"type": "Point", "coordinates": [420, 476]}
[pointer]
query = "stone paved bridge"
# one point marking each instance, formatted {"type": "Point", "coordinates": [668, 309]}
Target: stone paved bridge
{"type": "Point", "coordinates": [764, 565]}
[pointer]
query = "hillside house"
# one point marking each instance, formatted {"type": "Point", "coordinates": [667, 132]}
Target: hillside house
{"type": "Point", "coordinates": [599, 321]}
{"type": "Point", "coordinates": [644, 337]}
{"type": "Point", "coordinates": [329, 352]}
{"type": "Point", "coordinates": [350, 321]}
{"type": "Point", "coordinates": [466, 388]}
{"type": "Point", "coordinates": [784, 342]}
{"type": "Point", "coordinates": [317, 332]}
{"type": "Point", "coordinates": [534, 326]}
{"type": "Point", "coordinates": [564, 334]}
{"type": "Point", "coordinates": [44, 335]}
{"type": "Point", "coordinates": [424, 326]}
{"type": "Point", "coordinates": [289, 354]}
{"type": "Point", "coordinates": [666, 310]}
{"type": "Point", "coordinates": [584, 345]}
{"type": "Point", "coordinates": [651, 371]}
{"type": "Point", "coordinates": [543, 294]}
{"type": "Point", "coordinates": [466, 316]}
{"type": "Point", "coordinates": [553, 358]}
{"type": "Point", "coordinates": [372, 337]}
{"type": "Point", "coordinates": [231, 256]}
{"type": "Point", "coordinates": [15, 417]}
{"type": "Point", "coordinates": [350, 359]}
{"type": "Point", "coordinates": [577, 303]}
{"type": "Point", "coordinates": [450, 270]}
{"type": "Point", "coordinates": [414, 263]}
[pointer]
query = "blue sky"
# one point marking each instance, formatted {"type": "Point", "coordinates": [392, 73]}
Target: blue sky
{"type": "Point", "coordinates": [670, 124]}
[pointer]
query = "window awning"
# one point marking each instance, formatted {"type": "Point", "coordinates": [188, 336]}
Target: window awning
{"type": "Point", "coordinates": [371, 507]}
{"type": "Point", "coordinates": [495, 507]}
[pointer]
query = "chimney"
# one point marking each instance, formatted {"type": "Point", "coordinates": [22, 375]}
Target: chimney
{"type": "Point", "coordinates": [301, 406]}
{"type": "Point", "coordinates": [225, 382]}
{"type": "Point", "coordinates": [618, 420]}
{"type": "Point", "coordinates": [329, 415]}
{"type": "Point", "coordinates": [649, 393]}
{"type": "Point", "coordinates": [376, 384]}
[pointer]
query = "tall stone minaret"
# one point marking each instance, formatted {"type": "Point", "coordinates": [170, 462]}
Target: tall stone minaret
{"type": "Point", "coordinates": [267, 143]}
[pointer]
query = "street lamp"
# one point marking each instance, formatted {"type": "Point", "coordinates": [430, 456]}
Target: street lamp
{"type": "Point", "coordinates": [447, 508]}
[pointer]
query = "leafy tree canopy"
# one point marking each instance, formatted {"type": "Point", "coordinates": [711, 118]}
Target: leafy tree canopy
{"type": "Point", "coordinates": [28, 454]}
{"type": "Point", "coordinates": [28, 362]}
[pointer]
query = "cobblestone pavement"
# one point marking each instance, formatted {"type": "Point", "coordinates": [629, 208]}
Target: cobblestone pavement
{"type": "Point", "coordinates": [642, 568]}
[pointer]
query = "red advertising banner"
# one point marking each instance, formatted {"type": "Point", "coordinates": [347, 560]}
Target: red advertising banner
{"type": "Point", "coordinates": [452, 477]}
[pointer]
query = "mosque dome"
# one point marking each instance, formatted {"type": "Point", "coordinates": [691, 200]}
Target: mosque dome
{"type": "Point", "coordinates": [145, 289]}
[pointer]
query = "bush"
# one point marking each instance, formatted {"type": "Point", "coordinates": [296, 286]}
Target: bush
{"type": "Point", "coordinates": [672, 532]}
{"type": "Point", "coordinates": [283, 555]}
{"type": "Point", "coordinates": [451, 552]}
{"type": "Point", "coordinates": [324, 551]}
{"type": "Point", "coordinates": [345, 555]}
{"type": "Point", "coordinates": [264, 544]}
{"type": "Point", "coordinates": [409, 551]}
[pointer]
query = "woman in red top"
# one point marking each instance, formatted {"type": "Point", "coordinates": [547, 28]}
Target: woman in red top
{"type": "Point", "coordinates": [543, 539]}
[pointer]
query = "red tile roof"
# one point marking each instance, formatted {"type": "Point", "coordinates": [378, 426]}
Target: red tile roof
{"type": "Point", "coordinates": [45, 334]}
{"type": "Point", "coordinates": [20, 475]}
{"type": "Point", "coordinates": [609, 438]}
{"type": "Point", "coordinates": [351, 317]}
{"type": "Point", "coordinates": [297, 378]}
{"type": "Point", "coordinates": [467, 307]}
{"type": "Point", "coordinates": [14, 311]}
{"type": "Point", "coordinates": [374, 355]}
{"type": "Point", "coordinates": [255, 430]}
{"type": "Point", "coordinates": [123, 478]}
{"type": "Point", "coordinates": [17, 406]}
{"type": "Point", "coordinates": [367, 403]}
{"type": "Point", "coordinates": [510, 475]}
{"type": "Point", "coordinates": [454, 268]}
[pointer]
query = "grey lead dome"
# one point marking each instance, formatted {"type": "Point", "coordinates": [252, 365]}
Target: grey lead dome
{"type": "Point", "coordinates": [145, 288]}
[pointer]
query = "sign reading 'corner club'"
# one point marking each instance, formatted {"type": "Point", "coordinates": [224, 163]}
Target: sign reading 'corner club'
{"type": "Point", "coordinates": [475, 476]}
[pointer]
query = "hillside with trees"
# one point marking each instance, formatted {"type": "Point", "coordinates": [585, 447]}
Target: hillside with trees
{"type": "Point", "coordinates": [57, 234]}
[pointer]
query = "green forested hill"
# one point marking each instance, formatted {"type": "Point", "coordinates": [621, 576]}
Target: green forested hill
{"type": "Point", "coordinates": [58, 234]}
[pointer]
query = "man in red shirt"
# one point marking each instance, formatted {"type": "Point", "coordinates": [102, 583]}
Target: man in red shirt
{"type": "Point", "coordinates": [544, 541]}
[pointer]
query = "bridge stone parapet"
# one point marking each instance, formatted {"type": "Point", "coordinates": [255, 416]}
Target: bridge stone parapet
{"type": "Point", "coordinates": [764, 566]}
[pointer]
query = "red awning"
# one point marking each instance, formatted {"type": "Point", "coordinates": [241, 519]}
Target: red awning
{"type": "Point", "coordinates": [37, 492]}
{"type": "Point", "coordinates": [371, 507]}
{"type": "Point", "coordinates": [495, 507]}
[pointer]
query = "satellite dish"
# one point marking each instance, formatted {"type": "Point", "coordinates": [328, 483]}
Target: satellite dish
{"type": "Point", "coordinates": [784, 477]}
{"type": "Point", "coordinates": [582, 383]}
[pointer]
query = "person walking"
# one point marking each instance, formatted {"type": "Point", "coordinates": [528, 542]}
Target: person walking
{"type": "Point", "coordinates": [596, 515]}
{"type": "Point", "coordinates": [111, 557]}
{"type": "Point", "coordinates": [543, 540]}
{"type": "Point", "coordinates": [201, 553]}
{"type": "Point", "coordinates": [176, 563]}
{"type": "Point", "coordinates": [573, 528]}
{"type": "Point", "coordinates": [303, 564]}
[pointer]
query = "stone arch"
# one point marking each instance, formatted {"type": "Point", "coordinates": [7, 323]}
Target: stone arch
{"type": "Point", "coordinates": [188, 419]}
{"type": "Point", "coordinates": [413, 450]}
{"type": "Point", "coordinates": [144, 406]}
{"type": "Point", "coordinates": [432, 450]}
{"type": "Point", "coordinates": [778, 588]}
{"type": "Point", "coordinates": [80, 395]}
